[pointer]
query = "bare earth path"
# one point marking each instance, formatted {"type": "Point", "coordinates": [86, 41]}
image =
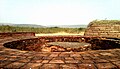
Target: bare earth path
{"type": "Point", "coordinates": [99, 59]}
{"type": "Point", "coordinates": [60, 33]}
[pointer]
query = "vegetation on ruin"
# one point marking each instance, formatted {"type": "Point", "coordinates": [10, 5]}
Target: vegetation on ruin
{"type": "Point", "coordinates": [105, 22]}
{"type": "Point", "coordinates": [7, 28]}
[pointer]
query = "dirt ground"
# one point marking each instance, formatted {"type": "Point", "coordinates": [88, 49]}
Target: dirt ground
{"type": "Point", "coordinates": [60, 33]}
{"type": "Point", "coordinates": [69, 44]}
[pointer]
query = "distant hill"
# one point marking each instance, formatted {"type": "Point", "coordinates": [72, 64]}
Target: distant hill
{"type": "Point", "coordinates": [69, 26]}
{"type": "Point", "coordinates": [40, 26]}
{"type": "Point", "coordinates": [24, 25]}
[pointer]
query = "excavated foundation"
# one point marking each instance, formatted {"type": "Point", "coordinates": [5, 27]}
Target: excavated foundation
{"type": "Point", "coordinates": [64, 44]}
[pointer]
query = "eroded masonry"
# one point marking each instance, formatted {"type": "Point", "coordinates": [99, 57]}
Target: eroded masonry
{"type": "Point", "coordinates": [103, 34]}
{"type": "Point", "coordinates": [98, 48]}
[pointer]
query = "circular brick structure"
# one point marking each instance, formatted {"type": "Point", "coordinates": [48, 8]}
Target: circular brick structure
{"type": "Point", "coordinates": [40, 44]}
{"type": "Point", "coordinates": [26, 53]}
{"type": "Point", "coordinates": [17, 59]}
{"type": "Point", "coordinates": [104, 28]}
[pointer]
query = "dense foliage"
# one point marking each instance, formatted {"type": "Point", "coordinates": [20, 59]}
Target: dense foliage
{"type": "Point", "coordinates": [7, 28]}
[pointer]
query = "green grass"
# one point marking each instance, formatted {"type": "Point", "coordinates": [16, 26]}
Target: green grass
{"type": "Point", "coordinates": [7, 28]}
{"type": "Point", "coordinates": [105, 22]}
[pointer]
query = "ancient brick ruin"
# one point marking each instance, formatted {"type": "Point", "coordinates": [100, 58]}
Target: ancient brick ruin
{"type": "Point", "coordinates": [16, 58]}
{"type": "Point", "coordinates": [104, 28]}
{"type": "Point", "coordinates": [22, 50]}
{"type": "Point", "coordinates": [40, 44]}
{"type": "Point", "coordinates": [17, 34]}
{"type": "Point", "coordinates": [103, 34]}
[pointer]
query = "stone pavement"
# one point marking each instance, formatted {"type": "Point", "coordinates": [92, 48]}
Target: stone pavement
{"type": "Point", "coordinates": [97, 59]}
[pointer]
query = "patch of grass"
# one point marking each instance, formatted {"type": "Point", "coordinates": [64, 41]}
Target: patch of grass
{"type": "Point", "coordinates": [7, 28]}
{"type": "Point", "coordinates": [105, 22]}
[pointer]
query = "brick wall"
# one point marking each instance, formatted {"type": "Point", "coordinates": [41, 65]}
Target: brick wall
{"type": "Point", "coordinates": [36, 44]}
{"type": "Point", "coordinates": [104, 28]}
{"type": "Point", "coordinates": [17, 34]}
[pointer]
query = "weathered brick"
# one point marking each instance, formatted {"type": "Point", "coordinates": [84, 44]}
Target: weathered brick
{"type": "Point", "coordinates": [106, 65]}
{"type": "Point", "coordinates": [101, 61]}
{"type": "Point", "coordinates": [56, 61]}
{"type": "Point", "coordinates": [86, 66]}
{"type": "Point", "coordinates": [14, 65]}
{"type": "Point", "coordinates": [72, 61]}
{"type": "Point", "coordinates": [69, 58]}
{"type": "Point", "coordinates": [54, 55]}
{"type": "Point", "coordinates": [117, 63]}
{"type": "Point", "coordinates": [45, 61]}
{"type": "Point", "coordinates": [87, 61]}
{"type": "Point", "coordinates": [75, 55]}
{"type": "Point", "coordinates": [24, 60]}
{"type": "Point", "coordinates": [32, 66]}
{"type": "Point", "coordinates": [50, 66]}
{"type": "Point", "coordinates": [36, 61]}
{"type": "Point", "coordinates": [110, 29]}
{"type": "Point", "coordinates": [68, 66]}
{"type": "Point", "coordinates": [10, 58]}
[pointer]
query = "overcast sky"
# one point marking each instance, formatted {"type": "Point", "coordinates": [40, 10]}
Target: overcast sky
{"type": "Point", "coordinates": [57, 12]}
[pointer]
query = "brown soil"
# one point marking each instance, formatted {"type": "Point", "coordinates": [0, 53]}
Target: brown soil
{"type": "Point", "coordinates": [59, 33]}
{"type": "Point", "coordinates": [69, 44]}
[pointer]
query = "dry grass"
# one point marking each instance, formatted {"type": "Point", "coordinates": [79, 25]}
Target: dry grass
{"type": "Point", "coordinates": [59, 33]}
